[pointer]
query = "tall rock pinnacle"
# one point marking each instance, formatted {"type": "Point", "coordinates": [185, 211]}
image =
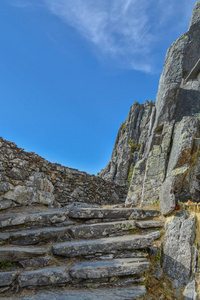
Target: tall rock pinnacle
{"type": "Point", "coordinates": [195, 15]}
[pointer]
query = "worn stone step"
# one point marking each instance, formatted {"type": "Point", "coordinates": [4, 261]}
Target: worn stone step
{"type": "Point", "coordinates": [102, 229]}
{"type": "Point", "coordinates": [130, 293]}
{"type": "Point", "coordinates": [149, 224]}
{"type": "Point", "coordinates": [14, 253]}
{"type": "Point", "coordinates": [112, 213]}
{"type": "Point", "coordinates": [46, 218]}
{"type": "Point", "coordinates": [46, 276]}
{"type": "Point", "coordinates": [111, 281]}
{"type": "Point", "coordinates": [109, 268]}
{"type": "Point", "coordinates": [106, 245]}
{"type": "Point", "coordinates": [32, 237]}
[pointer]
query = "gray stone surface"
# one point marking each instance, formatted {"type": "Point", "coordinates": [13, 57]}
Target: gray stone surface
{"type": "Point", "coordinates": [141, 214]}
{"type": "Point", "coordinates": [155, 234]}
{"type": "Point", "coordinates": [136, 128]}
{"type": "Point", "coordinates": [177, 250]}
{"type": "Point", "coordinates": [149, 224]}
{"type": "Point", "coordinates": [4, 237]}
{"type": "Point", "coordinates": [28, 179]}
{"type": "Point", "coordinates": [130, 293]}
{"type": "Point", "coordinates": [32, 237]}
{"type": "Point", "coordinates": [102, 229]}
{"type": "Point", "coordinates": [38, 190]}
{"type": "Point", "coordinates": [109, 268]}
{"type": "Point", "coordinates": [7, 278]}
{"type": "Point", "coordinates": [156, 166]}
{"type": "Point", "coordinates": [113, 213]}
{"type": "Point", "coordinates": [190, 291]}
{"type": "Point", "coordinates": [134, 196]}
{"type": "Point", "coordinates": [113, 281]}
{"type": "Point", "coordinates": [46, 218]}
{"type": "Point", "coordinates": [12, 254]}
{"type": "Point", "coordinates": [168, 148]}
{"type": "Point", "coordinates": [47, 276]}
{"type": "Point", "coordinates": [5, 204]}
{"type": "Point", "coordinates": [131, 254]}
{"type": "Point", "coordinates": [100, 213]}
{"type": "Point", "coordinates": [106, 245]}
{"type": "Point", "coordinates": [195, 14]}
{"type": "Point", "coordinates": [184, 133]}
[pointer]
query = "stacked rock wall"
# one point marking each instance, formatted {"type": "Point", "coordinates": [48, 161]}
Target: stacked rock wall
{"type": "Point", "coordinates": [28, 179]}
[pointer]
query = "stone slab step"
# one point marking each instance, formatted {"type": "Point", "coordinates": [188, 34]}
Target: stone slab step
{"type": "Point", "coordinates": [51, 217]}
{"type": "Point", "coordinates": [155, 234]}
{"type": "Point", "coordinates": [46, 276]}
{"type": "Point", "coordinates": [13, 254]}
{"type": "Point", "coordinates": [109, 268]}
{"type": "Point", "coordinates": [106, 245]}
{"type": "Point", "coordinates": [130, 293]}
{"type": "Point", "coordinates": [101, 229]}
{"type": "Point", "coordinates": [32, 237]}
{"type": "Point", "coordinates": [149, 224]}
{"type": "Point", "coordinates": [112, 213]}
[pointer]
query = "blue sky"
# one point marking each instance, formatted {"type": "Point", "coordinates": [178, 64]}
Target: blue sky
{"type": "Point", "coordinates": [71, 69]}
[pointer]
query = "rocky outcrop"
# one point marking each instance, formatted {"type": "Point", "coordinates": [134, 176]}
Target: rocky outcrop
{"type": "Point", "coordinates": [167, 173]}
{"type": "Point", "coordinates": [130, 143]}
{"type": "Point", "coordinates": [177, 252]}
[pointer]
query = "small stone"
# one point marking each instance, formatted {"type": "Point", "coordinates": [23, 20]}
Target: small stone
{"type": "Point", "coordinates": [4, 187]}
{"type": "Point", "coordinates": [7, 278]}
{"type": "Point", "coordinates": [190, 291]}
{"type": "Point", "coordinates": [5, 204]}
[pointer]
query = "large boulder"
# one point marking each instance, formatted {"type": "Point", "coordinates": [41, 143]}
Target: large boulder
{"type": "Point", "coordinates": [177, 250]}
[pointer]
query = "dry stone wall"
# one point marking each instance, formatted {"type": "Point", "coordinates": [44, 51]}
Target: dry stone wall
{"type": "Point", "coordinates": [28, 179]}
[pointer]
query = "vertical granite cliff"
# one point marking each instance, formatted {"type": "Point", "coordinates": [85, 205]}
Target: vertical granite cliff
{"type": "Point", "coordinates": [130, 143]}
{"type": "Point", "coordinates": [166, 167]}
{"type": "Point", "coordinates": [165, 134]}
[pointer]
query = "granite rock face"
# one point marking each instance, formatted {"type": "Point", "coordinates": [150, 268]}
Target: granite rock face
{"type": "Point", "coordinates": [162, 168]}
{"type": "Point", "coordinates": [135, 128]}
{"type": "Point", "coordinates": [177, 251]}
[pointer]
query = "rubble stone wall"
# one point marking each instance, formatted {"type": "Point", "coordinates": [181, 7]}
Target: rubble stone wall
{"type": "Point", "coordinates": [27, 179]}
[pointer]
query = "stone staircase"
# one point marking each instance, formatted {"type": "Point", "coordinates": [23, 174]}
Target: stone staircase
{"type": "Point", "coordinates": [68, 250]}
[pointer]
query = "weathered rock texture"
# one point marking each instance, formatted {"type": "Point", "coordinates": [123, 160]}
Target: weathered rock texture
{"type": "Point", "coordinates": [165, 134]}
{"type": "Point", "coordinates": [157, 151]}
{"type": "Point", "coordinates": [28, 179]}
{"type": "Point", "coordinates": [179, 239]}
{"type": "Point", "coordinates": [135, 128]}
{"type": "Point", "coordinates": [101, 254]}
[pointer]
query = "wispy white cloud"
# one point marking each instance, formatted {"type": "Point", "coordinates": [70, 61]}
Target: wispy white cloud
{"type": "Point", "coordinates": [128, 31]}
{"type": "Point", "coordinates": [20, 3]}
